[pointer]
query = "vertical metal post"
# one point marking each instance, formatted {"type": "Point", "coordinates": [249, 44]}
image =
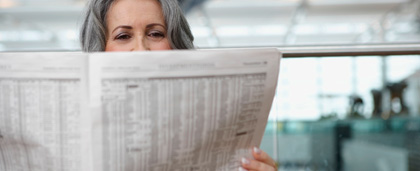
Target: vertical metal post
{"type": "Point", "coordinates": [297, 17]}
{"type": "Point", "coordinates": [213, 38]}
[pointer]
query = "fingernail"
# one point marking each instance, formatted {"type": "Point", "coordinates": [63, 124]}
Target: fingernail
{"type": "Point", "coordinates": [245, 161]}
{"type": "Point", "coordinates": [242, 169]}
{"type": "Point", "coordinates": [257, 150]}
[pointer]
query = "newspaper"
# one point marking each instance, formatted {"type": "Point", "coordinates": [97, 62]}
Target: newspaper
{"type": "Point", "coordinates": [167, 110]}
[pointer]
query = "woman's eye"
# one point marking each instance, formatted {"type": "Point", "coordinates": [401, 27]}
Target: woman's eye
{"type": "Point", "coordinates": [122, 37]}
{"type": "Point", "coordinates": [156, 35]}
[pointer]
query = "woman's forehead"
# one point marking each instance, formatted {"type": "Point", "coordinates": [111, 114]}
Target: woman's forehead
{"type": "Point", "coordinates": [135, 11]}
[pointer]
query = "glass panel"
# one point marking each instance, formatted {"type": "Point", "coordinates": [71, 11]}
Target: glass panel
{"type": "Point", "coordinates": [325, 116]}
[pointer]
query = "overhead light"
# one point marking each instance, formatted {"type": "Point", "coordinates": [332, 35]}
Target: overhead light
{"type": "Point", "coordinates": [270, 30]}
{"type": "Point", "coordinates": [200, 31]}
{"type": "Point", "coordinates": [69, 35]}
{"type": "Point", "coordinates": [26, 35]}
{"type": "Point", "coordinates": [340, 28]}
{"type": "Point", "coordinates": [233, 31]}
{"type": "Point", "coordinates": [306, 30]}
{"type": "Point", "coordinates": [238, 31]}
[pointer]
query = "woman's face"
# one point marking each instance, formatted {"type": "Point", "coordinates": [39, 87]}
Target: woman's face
{"type": "Point", "coordinates": [136, 25]}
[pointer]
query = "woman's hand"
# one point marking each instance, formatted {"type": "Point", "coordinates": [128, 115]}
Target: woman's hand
{"type": "Point", "coordinates": [261, 162]}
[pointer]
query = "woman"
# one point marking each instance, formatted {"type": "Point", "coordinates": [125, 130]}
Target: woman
{"type": "Point", "coordinates": [170, 28]}
{"type": "Point", "coordinates": [137, 25]}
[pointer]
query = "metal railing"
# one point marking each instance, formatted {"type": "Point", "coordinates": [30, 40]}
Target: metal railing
{"type": "Point", "coordinates": [350, 50]}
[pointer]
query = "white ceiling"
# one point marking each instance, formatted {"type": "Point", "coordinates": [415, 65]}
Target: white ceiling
{"type": "Point", "coordinates": [53, 25]}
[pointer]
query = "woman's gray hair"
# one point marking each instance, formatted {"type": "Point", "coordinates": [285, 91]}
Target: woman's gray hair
{"type": "Point", "coordinates": [94, 29]}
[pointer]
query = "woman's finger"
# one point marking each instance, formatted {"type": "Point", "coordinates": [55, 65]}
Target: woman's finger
{"type": "Point", "coordinates": [263, 157]}
{"type": "Point", "coordinates": [249, 164]}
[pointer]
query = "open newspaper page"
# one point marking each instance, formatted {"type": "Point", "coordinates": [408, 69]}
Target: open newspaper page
{"type": "Point", "coordinates": [179, 110]}
{"type": "Point", "coordinates": [41, 116]}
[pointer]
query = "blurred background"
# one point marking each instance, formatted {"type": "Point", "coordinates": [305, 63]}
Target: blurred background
{"type": "Point", "coordinates": [353, 112]}
{"type": "Point", "coordinates": [53, 25]}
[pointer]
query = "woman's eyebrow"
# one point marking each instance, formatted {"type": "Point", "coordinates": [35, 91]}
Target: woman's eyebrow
{"type": "Point", "coordinates": [155, 24]}
{"type": "Point", "coordinates": [122, 26]}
